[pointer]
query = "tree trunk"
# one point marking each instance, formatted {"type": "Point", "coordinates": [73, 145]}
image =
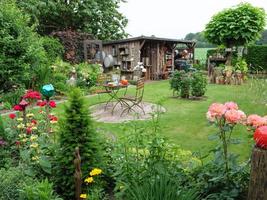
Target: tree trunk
{"type": "Point", "coordinates": [258, 175]}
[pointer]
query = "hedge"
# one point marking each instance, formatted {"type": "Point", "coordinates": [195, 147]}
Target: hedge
{"type": "Point", "coordinates": [256, 57]}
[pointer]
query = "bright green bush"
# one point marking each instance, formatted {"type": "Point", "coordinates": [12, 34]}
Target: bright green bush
{"type": "Point", "coordinates": [185, 83]}
{"type": "Point", "coordinates": [53, 48]}
{"type": "Point", "coordinates": [198, 84]}
{"type": "Point", "coordinates": [76, 130]}
{"type": "Point", "coordinates": [257, 57]}
{"type": "Point", "coordinates": [12, 180]}
{"type": "Point", "coordinates": [38, 191]}
{"type": "Point", "coordinates": [21, 51]}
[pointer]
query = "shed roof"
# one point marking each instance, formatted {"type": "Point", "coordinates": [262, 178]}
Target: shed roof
{"type": "Point", "coordinates": [149, 38]}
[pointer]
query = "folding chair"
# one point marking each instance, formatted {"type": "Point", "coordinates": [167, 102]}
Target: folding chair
{"type": "Point", "coordinates": [100, 82]}
{"type": "Point", "coordinates": [136, 101]}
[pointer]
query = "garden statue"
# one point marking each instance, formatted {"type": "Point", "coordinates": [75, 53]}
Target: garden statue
{"type": "Point", "coordinates": [73, 77]}
{"type": "Point", "coordinates": [239, 77]}
{"type": "Point", "coordinates": [77, 174]}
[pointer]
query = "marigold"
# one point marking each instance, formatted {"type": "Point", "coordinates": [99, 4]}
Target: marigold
{"type": "Point", "coordinates": [20, 119]}
{"type": "Point", "coordinates": [21, 126]}
{"type": "Point", "coordinates": [95, 172]}
{"type": "Point", "coordinates": [30, 115]}
{"type": "Point", "coordinates": [89, 180]}
{"type": "Point", "coordinates": [83, 196]}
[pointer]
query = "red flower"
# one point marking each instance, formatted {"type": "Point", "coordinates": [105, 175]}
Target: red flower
{"type": "Point", "coordinates": [18, 108]}
{"type": "Point", "coordinates": [53, 118]}
{"type": "Point", "coordinates": [41, 103]}
{"type": "Point", "coordinates": [32, 95]}
{"type": "Point", "coordinates": [52, 104]}
{"type": "Point", "coordinates": [17, 143]}
{"type": "Point", "coordinates": [29, 130]}
{"type": "Point", "coordinates": [34, 121]}
{"type": "Point", "coordinates": [12, 115]}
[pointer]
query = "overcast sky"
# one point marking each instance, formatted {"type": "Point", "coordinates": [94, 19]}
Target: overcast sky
{"type": "Point", "coordinates": [174, 18]}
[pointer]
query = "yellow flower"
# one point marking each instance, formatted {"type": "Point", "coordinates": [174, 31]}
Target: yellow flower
{"type": "Point", "coordinates": [83, 196]}
{"type": "Point", "coordinates": [20, 119]}
{"type": "Point", "coordinates": [34, 128]}
{"type": "Point", "coordinates": [34, 145]}
{"type": "Point", "coordinates": [53, 121]}
{"type": "Point", "coordinates": [95, 172]}
{"type": "Point", "coordinates": [24, 140]}
{"type": "Point", "coordinates": [30, 115]}
{"type": "Point", "coordinates": [35, 158]}
{"type": "Point", "coordinates": [21, 126]}
{"type": "Point", "coordinates": [29, 124]}
{"type": "Point", "coordinates": [89, 180]}
{"type": "Point", "coordinates": [33, 137]}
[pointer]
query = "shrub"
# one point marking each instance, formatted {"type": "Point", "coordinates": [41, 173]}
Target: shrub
{"type": "Point", "coordinates": [38, 190]}
{"type": "Point", "coordinates": [185, 83]}
{"type": "Point", "coordinates": [12, 180]}
{"type": "Point", "coordinates": [198, 84]}
{"type": "Point", "coordinates": [13, 97]}
{"type": "Point", "coordinates": [175, 81]}
{"type": "Point", "coordinates": [53, 48]}
{"type": "Point", "coordinates": [21, 51]}
{"type": "Point", "coordinates": [256, 57]}
{"type": "Point", "coordinates": [76, 130]}
{"type": "Point", "coordinates": [185, 86]}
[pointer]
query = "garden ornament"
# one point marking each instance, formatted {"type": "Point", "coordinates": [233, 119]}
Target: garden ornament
{"type": "Point", "coordinates": [48, 91]}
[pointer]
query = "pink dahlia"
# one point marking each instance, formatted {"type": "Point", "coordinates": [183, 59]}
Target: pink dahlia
{"type": "Point", "coordinates": [231, 105]}
{"type": "Point", "coordinates": [256, 121]}
{"type": "Point", "coordinates": [235, 116]}
{"type": "Point", "coordinates": [217, 110]}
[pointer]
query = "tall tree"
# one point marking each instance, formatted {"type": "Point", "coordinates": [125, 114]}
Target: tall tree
{"type": "Point", "coordinates": [236, 26]}
{"type": "Point", "coordinates": [200, 39]}
{"type": "Point", "coordinates": [98, 17]}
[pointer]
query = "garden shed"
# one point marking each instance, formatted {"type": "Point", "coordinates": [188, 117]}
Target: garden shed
{"type": "Point", "coordinates": [156, 54]}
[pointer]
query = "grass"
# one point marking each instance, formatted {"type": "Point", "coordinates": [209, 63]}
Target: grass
{"type": "Point", "coordinates": [184, 122]}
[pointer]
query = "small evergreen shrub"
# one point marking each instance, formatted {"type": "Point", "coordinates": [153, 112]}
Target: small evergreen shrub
{"type": "Point", "coordinates": [76, 130]}
{"type": "Point", "coordinates": [185, 86]}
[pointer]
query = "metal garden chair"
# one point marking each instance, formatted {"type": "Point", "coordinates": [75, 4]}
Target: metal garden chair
{"type": "Point", "coordinates": [100, 82]}
{"type": "Point", "coordinates": [130, 102]}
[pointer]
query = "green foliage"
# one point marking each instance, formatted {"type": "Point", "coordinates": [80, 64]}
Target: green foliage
{"type": "Point", "coordinates": [87, 74]}
{"type": "Point", "coordinates": [12, 180]}
{"type": "Point", "coordinates": [236, 26]}
{"type": "Point", "coordinates": [198, 84]}
{"type": "Point", "coordinates": [185, 83]}
{"type": "Point", "coordinates": [158, 188]}
{"type": "Point", "coordinates": [257, 57]}
{"type": "Point", "coordinates": [21, 51]}
{"type": "Point", "coordinates": [13, 97]}
{"type": "Point", "coordinates": [76, 130]}
{"type": "Point", "coordinates": [53, 48]}
{"type": "Point", "coordinates": [147, 155]}
{"type": "Point", "coordinates": [100, 18]}
{"type": "Point", "coordinates": [38, 191]}
{"type": "Point", "coordinates": [212, 182]}
{"type": "Point", "coordinates": [263, 39]}
{"type": "Point", "coordinates": [185, 86]}
{"type": "Point", "coordinates": [175, 81]}
{"type": "Point", "coordinates": [241, 65]}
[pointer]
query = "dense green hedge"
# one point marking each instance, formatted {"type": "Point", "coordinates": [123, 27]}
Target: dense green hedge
{"type": "Point", "coordinates": [257, 57]}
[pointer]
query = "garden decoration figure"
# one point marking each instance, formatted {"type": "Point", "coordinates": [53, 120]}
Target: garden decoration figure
{"type": "Point", "coordinates": [77, 174]}
{"type": "Point", "coordinates": [48, 91]}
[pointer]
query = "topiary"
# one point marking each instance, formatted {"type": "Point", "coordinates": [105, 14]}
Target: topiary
{"type": "Point", "coordinates": [76, 130]}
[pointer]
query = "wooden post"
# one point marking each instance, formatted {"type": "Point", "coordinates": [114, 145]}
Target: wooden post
{"type": "Point", "coordinates": [258, 175]}
{"type": "Point", "coordinates": [77, 174]}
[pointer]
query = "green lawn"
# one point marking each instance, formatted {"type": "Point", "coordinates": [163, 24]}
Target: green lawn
{"type": "Point", "coordinates": [185, 122]}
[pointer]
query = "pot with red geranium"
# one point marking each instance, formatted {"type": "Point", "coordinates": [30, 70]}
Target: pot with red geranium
{"type": "Point", "coordinates": [258, 174]}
